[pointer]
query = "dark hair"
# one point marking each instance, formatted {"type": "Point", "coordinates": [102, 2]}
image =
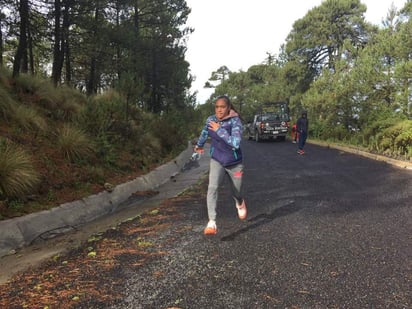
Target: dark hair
{"type": "Point", "coordinates": [224, 98]}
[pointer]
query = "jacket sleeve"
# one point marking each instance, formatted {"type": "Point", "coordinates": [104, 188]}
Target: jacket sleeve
{"type": "Point", "coordinates": [204, 134]}
{"type": "Point", "coordinates": [234, 139]}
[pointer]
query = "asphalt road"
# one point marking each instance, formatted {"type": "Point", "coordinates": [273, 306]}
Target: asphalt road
{"type": "Point", "coordinates": [325, 230]}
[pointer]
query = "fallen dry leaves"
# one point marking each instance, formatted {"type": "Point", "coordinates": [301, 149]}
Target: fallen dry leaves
{"type": "Point", "coordinates": [92, 275]}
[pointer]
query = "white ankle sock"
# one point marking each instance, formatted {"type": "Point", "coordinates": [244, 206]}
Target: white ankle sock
{"type": "Point", "coordinates": [212, 224]}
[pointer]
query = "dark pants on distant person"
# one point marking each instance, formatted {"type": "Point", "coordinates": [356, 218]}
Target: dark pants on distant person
{"type": "Point", "coordinates": [302, 140]}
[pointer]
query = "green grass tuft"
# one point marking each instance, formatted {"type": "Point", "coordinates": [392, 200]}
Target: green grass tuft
{"type": "Point", "coordinates": [73, 143]}
{"type": "Point", "coordinates": [17, 173]}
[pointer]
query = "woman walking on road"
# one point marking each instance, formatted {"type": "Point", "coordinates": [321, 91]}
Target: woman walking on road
{"type": "Point", "coordinates": [225, 130]}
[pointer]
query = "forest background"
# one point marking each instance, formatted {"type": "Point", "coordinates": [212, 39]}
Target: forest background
{"type": "Point", "coordinates": [95, 93]}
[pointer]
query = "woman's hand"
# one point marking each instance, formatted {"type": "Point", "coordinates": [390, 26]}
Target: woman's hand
{"type": "Point", "coordinates": [199, 149]}
{"type": "Point", "coordinates": [214, 126]}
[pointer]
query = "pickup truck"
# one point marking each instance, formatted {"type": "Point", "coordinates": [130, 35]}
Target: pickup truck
{"type": "Point", "coordinates": [268, 125]}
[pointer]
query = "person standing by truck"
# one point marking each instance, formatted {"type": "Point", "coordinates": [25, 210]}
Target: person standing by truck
{"type": "Point", "coordinates": [225, 130]}
{"type": "Point", "coordinates": [302, 126]}
{"type": "Point", "coordinates": [294, 134]}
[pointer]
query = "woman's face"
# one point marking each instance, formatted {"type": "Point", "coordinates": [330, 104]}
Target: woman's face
{"type": "Point", "coordinates": [221, 109]}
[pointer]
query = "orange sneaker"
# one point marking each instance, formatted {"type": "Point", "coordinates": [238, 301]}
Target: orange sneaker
{"type": "Point", "coordinates": [211, 228]}
{"type": "Point", "coordinates": [242, 210]}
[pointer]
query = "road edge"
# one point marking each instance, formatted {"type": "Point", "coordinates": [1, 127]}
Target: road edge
{"type": "Point", "coordinates": [398, 163]}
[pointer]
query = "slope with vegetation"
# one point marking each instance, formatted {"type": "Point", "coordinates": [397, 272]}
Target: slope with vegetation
{"type": "Point", "coordinates": [91, 92]}
{"type": "Point", "coordinates": [57, 145]}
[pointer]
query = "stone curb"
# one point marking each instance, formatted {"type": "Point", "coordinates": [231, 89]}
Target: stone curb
{"type": "Point", "coordinates": [20, 232]}
{"type": "Point", "coordinates": [398, 163]}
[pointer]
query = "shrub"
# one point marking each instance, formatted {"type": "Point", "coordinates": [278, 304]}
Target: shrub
{"type": "Point", "coordinates": [29, 119]}
{"type": "Point", "coordinates": [67, 101]}
{"type": "Point", "coordinates": [403, 144]}
{"type": "Point", "coordinates": [378, 126]}
{"type": "Point", "coordinates": [5, 75]}
{"type": "Point", "coordinates": [73, 143]}
{"type": "Point", "coordinates": [338, 132]}
{"type": "Point", "coordinates": [180, 127]}
{"type": "Point", "coordinates": [150, 144]}
{"type": "Point", "coordinates": [318, 130]}
{"type": "Point", "coordinates": [72, 94]}
{"type": "Point", "coordinates": [400, 136]}
{"type": "Point", "coordinates": [48, 96]}
{"type": "Point", "coordinates": [26, 83]}
{"type": "Point", "coordinates": [393, 140]}
{"type": "Point", "coordinates": [96, 174]}
{"type": "Point", "coordinates": [17, 173]}
{"type": "Point", "coordinates": [6, 104]}
{"type": "Point", "coordinates": [61, 103]}
{"type": "Point", "coordinates": [106, 151]}
{"type": "Point", "coordinates": [102, 114]}
{"type": "Point", "coordinates": [164, 133]}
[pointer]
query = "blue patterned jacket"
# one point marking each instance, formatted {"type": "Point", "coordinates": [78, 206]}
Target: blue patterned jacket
{"type": "Point", "coordinates": [225, 142]}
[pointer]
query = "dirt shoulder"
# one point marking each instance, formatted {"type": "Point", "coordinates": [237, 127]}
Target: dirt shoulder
{"type": "Point", "coordinates": [87, 268]}
{"type": "Point", "coordinates": [42, 250]}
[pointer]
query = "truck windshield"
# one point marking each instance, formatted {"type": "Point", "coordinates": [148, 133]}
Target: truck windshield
{"type": "Point", "coordinates": [276, 111]}
{"type": "Point", "coordinates": [269, 117]}
{"type": "Point", "coordinates": [273, 116]}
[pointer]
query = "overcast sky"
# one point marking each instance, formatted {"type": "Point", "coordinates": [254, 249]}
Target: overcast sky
{"type": "Point", "coordinates": [239, 33]}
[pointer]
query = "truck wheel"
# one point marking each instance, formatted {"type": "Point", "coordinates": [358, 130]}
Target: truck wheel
{"type": "Point", "coordinates": [249, 135]}
{"type": "Point", "coordinates": [257, 137]}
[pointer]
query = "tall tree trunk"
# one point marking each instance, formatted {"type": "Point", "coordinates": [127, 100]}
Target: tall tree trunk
{"type": "Point", "coordinates": [156, 106]}
{"type": "Point", "coordinates": [118, 50]}
{"type": "Point", "coordinates": [91, 85]}
{"type": "Point", "coordinates": [30, 50]}
{"type": "Point", "coordinates": [66, 40]}
{"type": "Point", "coordinates": [57, 50]}
{"type": "Point", "coordinates": [20, 63]}
{"type": "Point", "coordinates": [68, 63]}
{"type": "Point", "coordinates": [135, 49]}
{"type": "Point", "coordinates": [1, 41]}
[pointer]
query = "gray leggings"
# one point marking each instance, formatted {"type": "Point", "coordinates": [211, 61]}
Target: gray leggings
{"type": "Point", "coordinates": [216, 176]}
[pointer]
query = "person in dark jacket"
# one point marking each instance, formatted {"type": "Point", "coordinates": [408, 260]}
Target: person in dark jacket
{"type": "Point", "coordinates": [303, 128]}
{"type": "Point", "coordinates": [225, 131]}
